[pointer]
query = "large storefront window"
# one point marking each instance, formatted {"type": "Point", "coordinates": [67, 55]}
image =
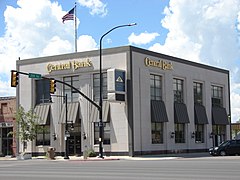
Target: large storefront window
{"type": "Point", "coordinates": [156, 87]}
{"type": "Point", "coordinates": [106, 135]}
{"type": "Point", "coordinates": [43, 136]}
{"type": "Point", "coordinates": [96, 86]}
{"type": "Point", "coordinates": [157, 133]}
{"type": "Point", "coordinates": [178, 90]}
{"type": "Point", "coordinates": [72, 96]}
{"type": "Point", "coordinates": [42, 91]}
{"type": "Point", "coordinates": [179, 133]}
{"type": "Point", "coordinates": [217, 96]}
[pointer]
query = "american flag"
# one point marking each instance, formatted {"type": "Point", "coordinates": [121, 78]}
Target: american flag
{"type": "Point", "coordinates": [69, 15]}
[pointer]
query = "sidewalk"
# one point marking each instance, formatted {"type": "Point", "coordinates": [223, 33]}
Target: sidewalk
{"type": "Point", "coordinates": [111, 158]}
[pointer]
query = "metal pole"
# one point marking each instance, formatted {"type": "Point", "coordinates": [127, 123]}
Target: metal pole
{"type": "Point", "coordinates": [101, 130]}
{"type": "Point", "coordinates": [75, 25]}
{"type": "Point", "coordinates": [66, 132]}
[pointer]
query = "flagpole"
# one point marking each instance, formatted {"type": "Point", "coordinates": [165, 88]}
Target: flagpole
{"type": "Point", "coordinates": [75, 23]}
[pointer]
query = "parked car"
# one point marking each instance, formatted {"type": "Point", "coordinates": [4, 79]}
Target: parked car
{"type": "Point", "coordinates": [230, 147]}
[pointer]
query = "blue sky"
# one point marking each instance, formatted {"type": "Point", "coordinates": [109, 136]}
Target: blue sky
{"type": "Point", "coordinates": [206, 31]}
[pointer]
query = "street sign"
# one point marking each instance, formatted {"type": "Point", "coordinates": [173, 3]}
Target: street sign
{"type": "Point", "coordinates": [34, 75]}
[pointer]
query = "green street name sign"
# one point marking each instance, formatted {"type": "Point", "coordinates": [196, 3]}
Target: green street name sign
{"type": "Point", "coordinates": [33, 75]}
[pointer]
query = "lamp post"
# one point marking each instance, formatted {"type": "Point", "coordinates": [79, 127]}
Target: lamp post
{"type": "Point", "coordinates": [100, 98]}
{"type": "Point", "coordinates": [66, 126]}
{"type": "Point", "coordinates": [66, 132]}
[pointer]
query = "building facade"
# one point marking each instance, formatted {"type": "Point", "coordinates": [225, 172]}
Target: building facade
{"type": "Point", "coordinates": [152, 103]}
{"type": "Point", "coordinates": [7, 126]}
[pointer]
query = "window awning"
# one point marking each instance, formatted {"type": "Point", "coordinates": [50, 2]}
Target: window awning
{"type": "Point", "coordinates": [219, 116]}
{"type": "Point", "coordinates": [94, 117]}
{"type": "Point", "coordinates": [72, 112]}
{"type": "Point", "coordinates": [200, 114]}
{"type": "Point", "coordinates": [158, 111]}
{"type": "Point", "coordinates": [180, 113]}
{"type": "Point", "coordinates": [42, 113]}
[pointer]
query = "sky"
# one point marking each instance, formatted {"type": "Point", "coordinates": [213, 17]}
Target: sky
{"type": "Point", "coordinates": [206, 31]}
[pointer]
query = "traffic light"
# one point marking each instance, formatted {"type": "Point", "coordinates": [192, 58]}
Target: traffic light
{"type": "Point", "coordinates": [52, 86]}
{"type": "Point", "coordinates": [14, 78]}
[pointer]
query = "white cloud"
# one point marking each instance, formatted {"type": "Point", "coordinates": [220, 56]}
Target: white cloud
{"type": "Point", "coordinates": [35, 29]}
{"type": "Point", "coordinates": [86, 43]}
{"type": "Point", "coordinates": [6, 89]}
{"type": "Point", "coordinates": [143, 38]}
{"type": "Point", "coordinates": [207, 32]}
{"type": "Point", "coordinates": [57, 46]}
{"type": "Point", "coordinates": [96, 6]}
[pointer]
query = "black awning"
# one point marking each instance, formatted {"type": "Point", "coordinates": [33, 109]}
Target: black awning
{"type": "Point", "coordinates": [42, 113]}
{"type": "Point", "coordinates": [158, 111]}
{"type": "Point", "coordinates": [219, 116]}
{"type": "Point", "coordinates": [200, 114]}
{"type": "Point", "coordinates": [180, 113]}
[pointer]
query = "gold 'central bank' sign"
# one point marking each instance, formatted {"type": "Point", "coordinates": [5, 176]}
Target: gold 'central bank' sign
{"type": "Point", "coordinates": [158, 63]}
{"type": "Point", "coordinates": [74, 65]}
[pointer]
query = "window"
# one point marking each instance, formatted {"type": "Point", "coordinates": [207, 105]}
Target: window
{"type": "Point", "coordinates": [6, 140]}
{"type": "Point", "coordinates": [217, 96]}
{"type": "Point", "coordinates": [43, 135]}
{"type": "Point", "coordinates": [198, 99]}
{"type": "Point", "coordinates": [199, 133]}
{"type": "Point", "coordinates": [219, 131]}
{"type": "Point", "coordinates": [42, 91]}
{"type": "Point", "coordinates": [178, 90]}
{"type": "Point", "coordinates": [71, 95]}
{"type": "Point", "coordinates": [96, 86]}
{"type": "Point", "coordinates": [157, 133]}
{"type": "Point", "coordinates": [179, 133]}
{"type": "Point", "coordinates": [106, 135]}
{"type": "Point", "coordinates": [198, 93]}
{"type": "Point", "coordinates": [156, 87]}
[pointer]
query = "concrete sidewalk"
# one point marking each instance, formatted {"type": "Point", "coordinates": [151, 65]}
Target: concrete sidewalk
{"type": "Point", "coordinates": [111, 158]}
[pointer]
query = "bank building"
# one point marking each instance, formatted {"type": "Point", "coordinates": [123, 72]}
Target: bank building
{"type": "Point", "coordinates": [152, 103]}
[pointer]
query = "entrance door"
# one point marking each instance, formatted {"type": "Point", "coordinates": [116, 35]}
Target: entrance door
{"type": "Point", "coordinates": [74, 142]}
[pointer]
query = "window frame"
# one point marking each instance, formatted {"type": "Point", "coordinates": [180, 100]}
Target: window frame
{"type": "Point", "coordinates": [155, 87]}
{"type": "Point", "coordinates": [178, 90]}
{"type": "Point", "coordinates": [217, 95]}
{"type": "Point", "coordinates": [96, 86]}
{"type": "Point", "coordinates": [157, 129]}
{"type": "Point", "coordinates": [199, 133]}
{"type": "Point", "coordinates": [42, 91]}
{"type": "Point", "coordinates": [72, 96]}
{"type": "Point", "coordinates": [45, 134]}
{"type": "Point", "coordinates": [106, 133]}
{"type": "Point", "coordinates": [198, 93]}
{"type": "Point", "coordinates": [180, 135]}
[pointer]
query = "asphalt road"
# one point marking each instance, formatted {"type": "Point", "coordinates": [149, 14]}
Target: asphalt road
{"type": "Point", "coordinates": [207, 168]}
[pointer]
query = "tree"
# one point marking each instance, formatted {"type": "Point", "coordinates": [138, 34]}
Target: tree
{"type": "Point", "coordinates": [27, 126]}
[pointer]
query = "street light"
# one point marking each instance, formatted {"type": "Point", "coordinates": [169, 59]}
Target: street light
{"type": "Point", "coordinates": [66, 127]}
{"type": "Point", "coordinates": [100, 98]}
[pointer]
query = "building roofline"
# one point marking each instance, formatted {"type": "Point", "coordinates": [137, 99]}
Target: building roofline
{"type": "Point", "coordinates": [117, 50]}
{"type": "Point", "coordinates": [7, 98]}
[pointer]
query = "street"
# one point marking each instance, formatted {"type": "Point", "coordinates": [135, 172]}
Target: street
{"type": "Point", "coordinates": [207, 168]}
